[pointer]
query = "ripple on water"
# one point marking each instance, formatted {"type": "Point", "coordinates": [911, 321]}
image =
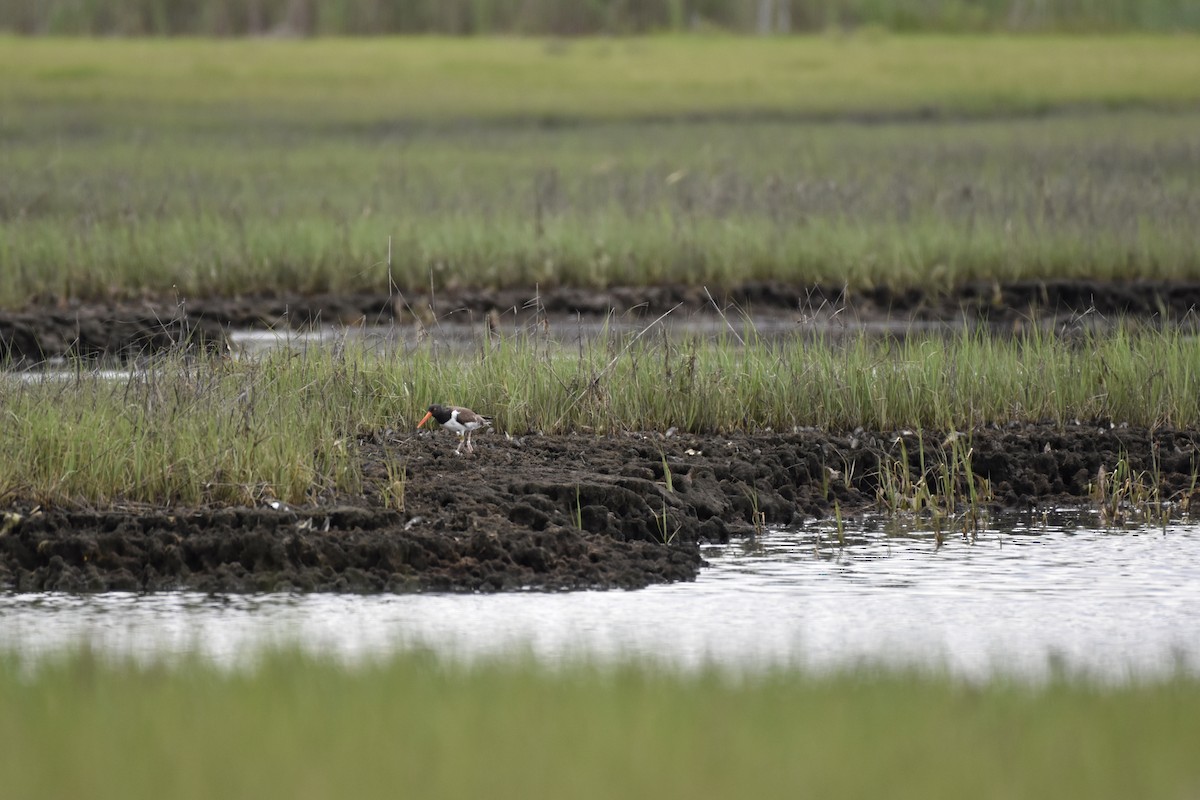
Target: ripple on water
{"type": "Point", "coordinates": [1021, 595]}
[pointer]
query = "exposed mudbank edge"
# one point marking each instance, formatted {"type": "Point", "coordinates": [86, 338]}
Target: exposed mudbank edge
{"type": "Point", "coordinates": [558, 512]}
{"type": "Point", "coordinates": [126, 330]}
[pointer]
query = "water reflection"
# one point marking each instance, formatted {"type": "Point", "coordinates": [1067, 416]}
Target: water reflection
{"type": "Point", "coordinates": [1023, 593]}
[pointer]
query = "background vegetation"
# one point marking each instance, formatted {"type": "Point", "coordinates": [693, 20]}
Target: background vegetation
{"type": "Point", "coordinates": [354, 17]}
{"type": "Point", "coordinates": [300, 727]}
{"type": "Point", "coordinates": [199, 167]}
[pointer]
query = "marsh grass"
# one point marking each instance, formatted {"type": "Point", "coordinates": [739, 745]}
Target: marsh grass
{"type": "Point", "coordinates": [299, 726]}
{"type": "Point", "coordinates": [758, 518]}
{"type": "Point", "coordinates": [184, 432]}
{"type": "Point", "coordinates": [578, 509]}
{"type": "Point", "coordinates": [946, 491]}
{"type": "Point", "coordinates": [232, 167]}
{"type": "Point", "coordinates": [392, 492]}
{"type": "Point", "coordinates": [900, 205]}
{"type": "Point", "coordinates": [287, 425]}
{"type": "Point", "coordinates": [1125, 495]}
{"type": "Point", "coordinates": [666, 533]}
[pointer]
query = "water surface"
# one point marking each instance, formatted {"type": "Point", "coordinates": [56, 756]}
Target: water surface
{"type": "Point", "coordinates": [1025, 595]}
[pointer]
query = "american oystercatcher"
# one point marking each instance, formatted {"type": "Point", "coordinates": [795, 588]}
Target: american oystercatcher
{"type": "Point", "coordinates": [460, 420]}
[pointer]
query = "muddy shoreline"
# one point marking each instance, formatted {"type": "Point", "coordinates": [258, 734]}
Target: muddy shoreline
{"type": "Point", "coordinates": [553, 512]}
{"type": "Point", "coordinates": [52, 328]}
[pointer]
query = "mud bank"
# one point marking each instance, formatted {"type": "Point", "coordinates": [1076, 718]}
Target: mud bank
{"type": "Point", "coordinates": [553, 512]}
{"type": "Point", "coordinates": [126, 330]}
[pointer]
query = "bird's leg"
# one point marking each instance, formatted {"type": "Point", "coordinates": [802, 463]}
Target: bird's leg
{"type": "Point", "coordinates": [458, 450]}
{"type": "Point", "coordinates": [470, 449]}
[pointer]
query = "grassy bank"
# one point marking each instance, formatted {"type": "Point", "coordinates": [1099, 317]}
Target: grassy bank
{"type": "Point", "coordinates": [285, 426]}
{"type": "Point", "coordinates": [228, 167]}
{"type": "Point", "coordinates": [298, 727]}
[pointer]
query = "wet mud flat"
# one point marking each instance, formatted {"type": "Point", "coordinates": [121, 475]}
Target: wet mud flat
{"type": "Point", "coordinates": [554, 512]}
{"type": "Point", "coordinates": [50, 328]}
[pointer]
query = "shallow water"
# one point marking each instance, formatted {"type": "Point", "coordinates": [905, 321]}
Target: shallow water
{"type": "Point", "coordinates": [1027, 595]}
{"type": "Point", "coordinates": [459, 336]}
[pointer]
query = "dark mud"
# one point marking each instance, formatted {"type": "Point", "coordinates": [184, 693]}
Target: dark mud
{"type": "Point", "coordinates": [124, 331]}
{"type": "Point", "coordinates": [554, 512]}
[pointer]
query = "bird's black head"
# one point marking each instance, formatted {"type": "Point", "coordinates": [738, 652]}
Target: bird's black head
{"type": "Point", "coordinates": [440, 412]}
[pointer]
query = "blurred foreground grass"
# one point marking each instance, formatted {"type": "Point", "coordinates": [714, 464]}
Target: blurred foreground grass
{"type": "Point", "coordinates": [415, 726]}
{"type": "Point", "coordinates": [217, 168]}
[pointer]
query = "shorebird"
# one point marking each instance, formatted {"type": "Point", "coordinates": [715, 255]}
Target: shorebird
{"type": "Point", "coordinates": [458, 419]}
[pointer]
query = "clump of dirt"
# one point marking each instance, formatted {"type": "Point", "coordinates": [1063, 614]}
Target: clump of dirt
{"type": "Point", "coordinates": [554, 512]}
{"type": "Point", "coordinates": [349, 549]}
{"type": "Point", "coordinates": [128, 330]}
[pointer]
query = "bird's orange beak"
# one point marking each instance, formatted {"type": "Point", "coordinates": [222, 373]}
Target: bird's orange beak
{"type": "Point", "coordinates": [424, 419]}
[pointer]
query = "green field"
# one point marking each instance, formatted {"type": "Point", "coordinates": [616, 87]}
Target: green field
{"type": "Point", "coordinates": [187, 433]}
{"type": "Point", "coordinates": [222, 167]}
{"type": "Point", "coordinates": [415, 727]}
{"type": "Point", "coordinates": [332, 83]}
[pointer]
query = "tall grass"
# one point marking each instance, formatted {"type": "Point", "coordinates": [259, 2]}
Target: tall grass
{"type": "Point", "coordinates": [182, 433]}
{"type": "Point", "coordinates": [343, 17]}
{"type": "Point", "coordinates": [117, 213]}
{"type": "Point", "coordinates": [287, 426]}
{"type": "Point", "coordinates": [302, 727]}
{"type": "Point", "coordinates": [920, 382]}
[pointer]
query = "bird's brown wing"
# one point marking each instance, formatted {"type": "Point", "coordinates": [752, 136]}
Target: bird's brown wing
{"type": "Point", "coordinates": [467, 416]}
